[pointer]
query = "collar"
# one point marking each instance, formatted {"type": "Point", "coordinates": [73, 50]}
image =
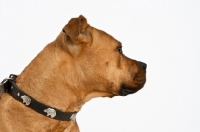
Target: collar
{"type": "Point", "coordinates": [8, 85]}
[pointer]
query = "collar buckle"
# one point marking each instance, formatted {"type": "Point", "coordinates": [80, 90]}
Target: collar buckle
{"type": "Point", "coordinates": [4, 83]}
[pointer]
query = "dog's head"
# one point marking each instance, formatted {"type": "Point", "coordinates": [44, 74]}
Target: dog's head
{"type": "Point", "coordinates": [95, 62]}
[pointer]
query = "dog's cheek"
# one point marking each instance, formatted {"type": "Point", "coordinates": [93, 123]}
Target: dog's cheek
{"type": "Point", "coordinates": [111, 85]}
{"type": "Point", "coordinates": [112, 89]}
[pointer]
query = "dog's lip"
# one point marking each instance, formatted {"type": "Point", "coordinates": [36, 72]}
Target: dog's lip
{"type": "Point", "coordinates": [126, 90]}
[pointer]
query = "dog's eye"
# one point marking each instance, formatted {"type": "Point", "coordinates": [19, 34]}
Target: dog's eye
{"type": "Point", "coordinates": [119, 49]}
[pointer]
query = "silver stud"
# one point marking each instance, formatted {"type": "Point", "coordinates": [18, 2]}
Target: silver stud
{"type": "Point", "coordinates": [26, 99]}
{"type": "Point", "coordinates": [50, 112]}
{"type": "Point", "coordinates": [18, 94]}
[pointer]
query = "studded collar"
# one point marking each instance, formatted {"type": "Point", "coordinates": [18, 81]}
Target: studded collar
{"type": "Point", "coordinates": [8, 85]}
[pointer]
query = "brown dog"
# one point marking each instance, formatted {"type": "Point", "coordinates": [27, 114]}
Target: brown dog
{"type": "Point", "coordinates": [82, 63]}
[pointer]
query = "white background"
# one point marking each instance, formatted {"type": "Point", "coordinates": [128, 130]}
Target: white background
{"type": "Point", "coordinates": [163, 33]}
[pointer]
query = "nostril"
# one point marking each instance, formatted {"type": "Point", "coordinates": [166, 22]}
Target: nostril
{"type": "Point", "coordinates": [143, 65]}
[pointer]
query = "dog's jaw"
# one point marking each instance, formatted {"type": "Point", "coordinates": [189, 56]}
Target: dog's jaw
{"type": "Point", "coordinates": [125, 90]}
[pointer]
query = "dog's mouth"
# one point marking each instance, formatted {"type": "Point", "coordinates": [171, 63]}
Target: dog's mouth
{"type": "Point", "coordinates": [125, 90]}
{"type": "Point", "coordinates": [139, 81]}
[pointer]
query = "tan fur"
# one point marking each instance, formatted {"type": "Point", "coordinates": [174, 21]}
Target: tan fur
{"type": "Point", "coordinates": [82, 63]}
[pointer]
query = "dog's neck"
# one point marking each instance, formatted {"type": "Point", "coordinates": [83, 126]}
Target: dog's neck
{"type": "Point", "coordinates": [44, 80]}
{"type": "Point", "coordinates": [51, 78]}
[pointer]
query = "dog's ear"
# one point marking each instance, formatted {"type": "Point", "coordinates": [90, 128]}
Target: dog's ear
{"type": "Point", "coordinates": [77, 34]}
{"type": "Point", "coordinates": [75, 26]}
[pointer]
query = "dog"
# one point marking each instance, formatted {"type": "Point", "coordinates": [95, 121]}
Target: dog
{"type": "Point", "coordinates": [80, 64]}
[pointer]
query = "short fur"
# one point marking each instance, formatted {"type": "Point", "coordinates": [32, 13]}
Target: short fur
{"type": "Point", "coordinates": [80, 64]}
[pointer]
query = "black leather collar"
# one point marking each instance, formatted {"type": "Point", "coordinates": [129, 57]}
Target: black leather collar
{"type": "Point", "coordinates": [8, 85]}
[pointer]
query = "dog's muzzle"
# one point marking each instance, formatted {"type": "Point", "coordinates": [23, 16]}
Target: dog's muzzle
{"type": "Point", "coordinates": [139, 79]}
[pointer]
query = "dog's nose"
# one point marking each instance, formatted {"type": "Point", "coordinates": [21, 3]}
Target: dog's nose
{"type": "Point", "coordinates": [143, 65]}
